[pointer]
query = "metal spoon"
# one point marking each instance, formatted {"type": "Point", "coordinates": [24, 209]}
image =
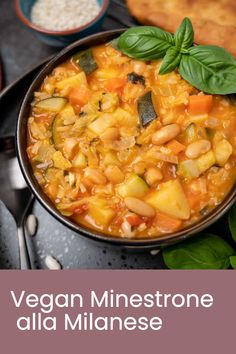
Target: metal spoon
{"type": "Point", "coordinates": [14, 193]}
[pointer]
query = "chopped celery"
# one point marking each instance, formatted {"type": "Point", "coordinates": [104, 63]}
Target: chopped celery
{"type": "Point", "coordinates": [134, 186]}
{"type": "Point", "coordinates": [99, 125]}
{"type": "Point", "coordinates": [188, 169]}
{"type": "Point", "coordinates": [52, 104]}
{"type": "Point", "coordinates": [72, 82]}
{"type": "Point", "coordinates": [171, 200]}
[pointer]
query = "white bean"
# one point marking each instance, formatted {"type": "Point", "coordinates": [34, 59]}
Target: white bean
{"type": "Point", "coordinates": [52, 263]}
{"type": "Point", "coordinates": [139, 207]}
{"type": "Point", "coordinates": [31, 224]}
{"type": "Point", "coordinates": [165, 134]}
{"type": "Point", "coordinates": [197, 148]}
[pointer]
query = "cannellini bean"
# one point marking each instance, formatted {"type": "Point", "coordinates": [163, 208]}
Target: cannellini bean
{"type": "Point", "coordinates": [154, 252]}
{"type": "Point", "coordinates": [114, 174]}
{"type": "Point", "coordinates": [31, 224]}
{"type": "Point", "coordinates": [153, 175]}
{"type": "Point", "coordinates": [52, 263]}
{"type": "Point", "coordinates": [110, 134]}
{"type": "Point", "coordinates": [139, 207]}
{"type": "Point", "coordinates": [95, 176]}
{"type": "Point", "coordinates": [197, 148]}
{"type": "Point", "coordinates": [165, 134]}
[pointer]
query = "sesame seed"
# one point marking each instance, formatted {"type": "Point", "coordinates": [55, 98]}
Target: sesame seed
{"type": "Point", "coordinates": [63, 15]}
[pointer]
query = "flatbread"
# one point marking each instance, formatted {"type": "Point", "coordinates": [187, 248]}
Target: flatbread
{"type": "Point", "coordinates": [214, 21]}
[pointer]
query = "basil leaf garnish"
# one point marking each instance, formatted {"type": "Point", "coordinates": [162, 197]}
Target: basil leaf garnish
{"type": "Point", "coordinates": [145, 42]}
{"type": "Point", "coordinates": [206, 251]}
{"type": "Point", "coordinates": [171, 60]}
{"type": "Point", "coordinates": [233, 261]}
{"type": "Point", "coordinates": [184, 35]}
{"type": "Point", "coordinates": [232, 222]}
{"type": "Point", "coordinates": [210, 69]}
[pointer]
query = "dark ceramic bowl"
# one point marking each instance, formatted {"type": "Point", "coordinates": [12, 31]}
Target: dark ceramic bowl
{"type": "Point", "coordinates": [59, 38]}
{"type": "Point", "coordinates": [21, 136]}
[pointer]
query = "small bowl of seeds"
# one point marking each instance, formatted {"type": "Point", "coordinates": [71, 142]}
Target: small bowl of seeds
{"type": "Point", "coordinates": [60, 22]}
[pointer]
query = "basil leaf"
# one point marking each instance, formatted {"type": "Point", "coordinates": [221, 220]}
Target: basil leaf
{"type": "Point", "coordinates": [184, 35]}
{"type": "Point", "coordinates": [171, 60]}
{"type": "Point", "coordinates": [232, 222]}
{"type": "Point", "coordinates": [145, 42]}
{"type": "Point", "coordinates": [233, 261]}
{"type": "Point", "coordinates": [206, 251]}
{"type": "Point", "coordinates": [210, 69]}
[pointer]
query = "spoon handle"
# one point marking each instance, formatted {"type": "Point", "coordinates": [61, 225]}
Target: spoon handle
{"type": "Point", "coordinates": [24, 255]}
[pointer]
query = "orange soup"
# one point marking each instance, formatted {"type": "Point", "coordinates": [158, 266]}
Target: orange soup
{"type": "Point", "coordinates": [120, 149]}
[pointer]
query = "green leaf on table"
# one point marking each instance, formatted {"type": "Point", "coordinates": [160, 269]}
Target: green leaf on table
{"type": "Point", "coordinates": [233, 262]}
{"type": "Point", "coordinates": [205, 251]}
{"type": "Point", "coordinates": [184, 35]}
{"type": "Point", "coordinates": [232, 222]}
{"type": "Point", "coordinates": [145, 42]}
{"type": "Point", "coordinates": [210, 69]}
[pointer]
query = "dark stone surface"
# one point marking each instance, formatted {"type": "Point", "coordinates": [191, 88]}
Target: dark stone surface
{"type": "Point", "coordinates": [20, 51]}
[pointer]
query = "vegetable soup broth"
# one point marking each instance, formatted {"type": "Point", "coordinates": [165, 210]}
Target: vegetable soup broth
{"type": "Point", "coordinates": [120, 149]}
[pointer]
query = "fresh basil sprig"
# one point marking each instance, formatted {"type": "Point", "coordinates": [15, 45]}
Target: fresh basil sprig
{"type": "Point", "coordinates": [210, 69]}
{"type": "Point", "coordinates": [233, 261]}
{"type": "Point", "coordinates": [171, 60]}
{"type": "Point", "coordinates": [202, 252]}
{"type": "Point", "coordinates": [184, 35]}
{"type": "Point", "coordinates": [145, 42]}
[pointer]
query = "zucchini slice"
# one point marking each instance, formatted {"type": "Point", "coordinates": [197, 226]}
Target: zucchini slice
{"type": "Point", "coordinates": [52, 104]}
{"type": "Point", "coordinates": [86, 61]}
{"type": "Point", "coordinates": [146, 109]}
{"type": "Point", "coordinates": [56, 135]}
{"type": "Point", "coordinates": [136, 79]}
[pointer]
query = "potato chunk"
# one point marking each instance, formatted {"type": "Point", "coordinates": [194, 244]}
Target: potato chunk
{"type": "Point", "coordinates": [171, 200]}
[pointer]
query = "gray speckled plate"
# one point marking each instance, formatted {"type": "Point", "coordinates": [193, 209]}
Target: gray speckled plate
{"type": "Point", "coordinates": [9, 252]}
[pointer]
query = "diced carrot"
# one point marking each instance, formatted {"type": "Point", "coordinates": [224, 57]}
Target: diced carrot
{"type": "Point", "coordinates": [134, 220]}
{"type": "Point", "coordinates": [200, 104]}
{"type": "Point", "coordinates": [166, 223]}
{"type": "Point", "coordinates": [114, 84]}
{"type": "Point", "coordinates": [79, 97]}
{"type": "Point", "coordinates": [175, 147]}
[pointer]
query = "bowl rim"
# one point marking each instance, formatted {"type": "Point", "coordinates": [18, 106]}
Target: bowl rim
{"type": "Point", "coordinates": [30, 24]}
{"type": "Point", "coordinates": [159, 241]}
